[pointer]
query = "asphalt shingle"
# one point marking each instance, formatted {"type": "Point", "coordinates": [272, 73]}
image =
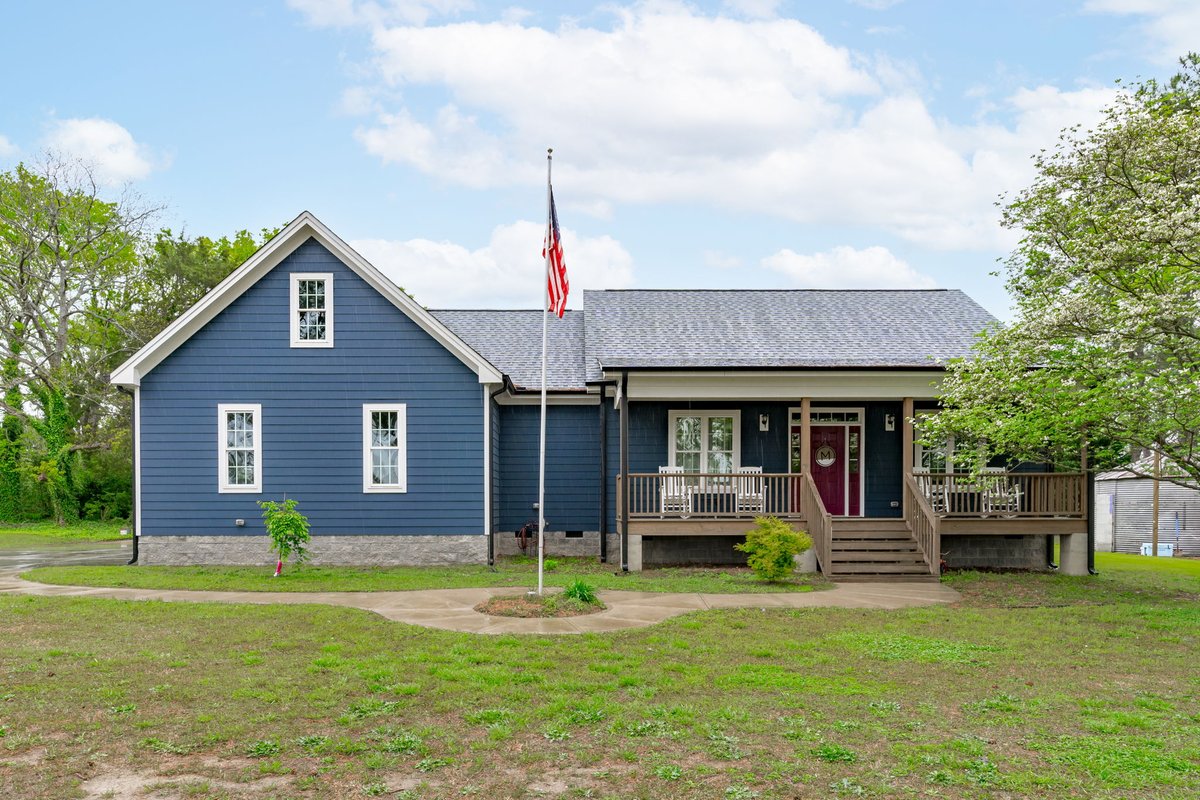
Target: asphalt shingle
{"type": "Point", "coordinates": [512, 342]}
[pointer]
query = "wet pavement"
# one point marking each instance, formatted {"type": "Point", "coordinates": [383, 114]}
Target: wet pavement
{"type": "Point", "coordinates": [53, 553]}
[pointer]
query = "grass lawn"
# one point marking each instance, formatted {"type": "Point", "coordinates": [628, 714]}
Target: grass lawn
{"type": "Point", "coordinates": [1036, 686]}
{"type": "Point", "coordinates": [33, 534]}
{"type": "Point", "coordinates": [520, 571]}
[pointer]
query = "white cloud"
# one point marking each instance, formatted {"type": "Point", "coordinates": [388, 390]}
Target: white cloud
{"type": "Point", "coordinates": [1171, 28]}
{"type": "Point", "coordinates": [755, 9]}
{"type": "Point", "coordinates": [847, 268]}
{"type": "Point", "coordinates": [103, 145]}
{"type": "Point", "coordinates": [671, 105]}
{"type": "Point", "coordinates": [876, 5]}
{"type": "Point", "coordinates": [344, 13]}
{"type": "Point", "coordinates": [506, 273]}
{"type": "Point", "coordinates": [7, 148]}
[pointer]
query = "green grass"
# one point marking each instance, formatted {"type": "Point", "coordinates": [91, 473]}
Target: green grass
{"type": "Point", "coordinates": [520, 572]}
{"type": "Point", "coordinates": [32, 534]}
{"type": "Point", "coordinates": [1085, 688]}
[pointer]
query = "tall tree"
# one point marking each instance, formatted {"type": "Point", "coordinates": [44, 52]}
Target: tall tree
{"type": "Point", "coordinates": [68, 275]}
{"type": "Point", "coordinates": [1106, 280]}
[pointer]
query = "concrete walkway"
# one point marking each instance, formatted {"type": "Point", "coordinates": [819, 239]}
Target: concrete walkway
{"type": "Point", "coordinates": [453, 609]}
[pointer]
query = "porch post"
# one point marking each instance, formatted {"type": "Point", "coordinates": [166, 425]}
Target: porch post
{"type": "Point", "coordinates": [623, 392]}
{"type": "Point", "coordinates": [805, 443]}
{"type": "Point", "coordinates": [906, 447]}
{"type": "Point", "coordinates": [603, 521]}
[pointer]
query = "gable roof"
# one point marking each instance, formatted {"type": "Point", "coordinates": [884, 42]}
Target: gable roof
{"type": "Point", "coordinates": [797, 328]}
{"type": "Point", "coordinates": [298, 231]}
{"type": "Point", "coordinates": [512, 340]}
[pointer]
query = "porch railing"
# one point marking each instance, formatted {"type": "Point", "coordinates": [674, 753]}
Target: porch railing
{"type": "Point", "coordinates": [924, 524]}
{"type": "Point", "coordinates": [1009, 495]}
{"type": "Point", "coordinates": [818, 521]}
{"type": "Point", "coordinates": [712, 495]}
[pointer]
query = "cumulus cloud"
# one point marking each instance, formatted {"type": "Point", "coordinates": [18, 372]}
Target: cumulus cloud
{"type": "Point", "coordinates": [7, 148]}
{"type": "Point", "coordinates": [755, 9]}
{"type": "Point", "coordinates": [847, 268]}
{"type": "Point", "coordinates": [103, 145]}
{"type": "Point", "coordinates": [506, 273]}
{"type": "Point", "coordinates": [669, 104]}
{"type": "Point", "coordinates": [1170, 28]}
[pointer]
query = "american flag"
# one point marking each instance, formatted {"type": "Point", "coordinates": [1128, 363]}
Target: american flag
{"type": "Point", "coordinates": [556, 268]}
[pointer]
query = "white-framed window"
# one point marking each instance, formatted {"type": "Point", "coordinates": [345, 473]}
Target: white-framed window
{"type": "Point", "coordinates": [311, 309]}
{"type": "Point", "coordinates": [705, 441]}
{"type": "Point", "coordinates": [239, 447]}
{"type": "Point", "coordinates": [947, 455]}
{"type": "Point", "coordinates": [385, 461]}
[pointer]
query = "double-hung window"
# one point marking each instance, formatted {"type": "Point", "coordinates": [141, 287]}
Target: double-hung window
{"type": "Point", "coordinates": [385, 463]}
{"type": "Point", "coordinates": [945, 455]}
{"type": "Point", "coordinates": [705, 441]}
{"type": "Point", "coordinates": [311, 309]}
{"type": "Point", "coordinates": [239, 444]}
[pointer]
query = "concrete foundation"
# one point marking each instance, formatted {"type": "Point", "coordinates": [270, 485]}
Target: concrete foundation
{"type": "Point", "coordinates": [659, 551]}
{"type": "Point", "coordinates": [365, 551]}
{"type": "Point", "coordinates": [633, 558]}
{"type": "Point", "coordinates": [1072, 554]}
{"type": "Point", "coordinates": [559, 544]}
{"type": "Point", "coordinates": [806, 562]}
{"type": "Point", "coordinates": [995, 552]}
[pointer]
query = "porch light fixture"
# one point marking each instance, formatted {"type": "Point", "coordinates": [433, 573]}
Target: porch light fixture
{"type": "Point", "coordinates": [889, 422]}
{"type": "Point", "coordinates": [764, 422]}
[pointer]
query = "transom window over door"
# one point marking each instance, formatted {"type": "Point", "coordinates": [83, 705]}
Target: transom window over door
{"type": "Point", "coordinates": [385, 466]}
{"type": "Point", "coordinates": [312, 309]}
{"type": "Point", "coordinates": [239, 444]}
{"type": "Point", "coordinates": [705, 441]}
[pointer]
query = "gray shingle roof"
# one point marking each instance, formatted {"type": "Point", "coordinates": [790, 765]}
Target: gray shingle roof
{"type": "Point", "coordinates": [512, 342]}
{"type": "Point", "coordinates": [778, 328]}
{"type": "Point", "coordinates": [703, 329]}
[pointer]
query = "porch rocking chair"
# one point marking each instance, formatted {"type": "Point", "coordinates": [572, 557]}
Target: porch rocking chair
{"type": "Point", "coordinates": [675, 492]}
{"type": "Point", "coordinates": [749, 490]}
{"type": "Point", "coordinates": [1001, 495]}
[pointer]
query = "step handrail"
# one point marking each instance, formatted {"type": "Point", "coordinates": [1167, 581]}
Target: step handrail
{"type": "Point", "coordinates": [924, 524]}
{"type": "Point", "coordinates": [819, 522]}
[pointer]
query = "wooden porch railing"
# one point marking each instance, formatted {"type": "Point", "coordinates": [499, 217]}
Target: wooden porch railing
{"type": "Point", "coordinates": [924, 524]}
{"type": "Point", "coordinates": [712, 495]}
{"type": "Point", "coordinates": [818, 521]}
{"type": "Point", "coordinates": [1010, 495]}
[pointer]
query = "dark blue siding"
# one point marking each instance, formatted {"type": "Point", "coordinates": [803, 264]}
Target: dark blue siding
{"type": "Point", "coordinates": [312, 416]}
{"type": "Point", "coordinates": [572, 466]}
{"type": "Point", "coordinates": [884, 461]}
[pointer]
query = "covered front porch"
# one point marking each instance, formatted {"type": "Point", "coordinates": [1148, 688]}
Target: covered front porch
{"type": "Point", "coordinates": [846, 471]}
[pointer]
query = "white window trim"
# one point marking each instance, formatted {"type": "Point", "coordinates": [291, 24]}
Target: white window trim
{"type": "Point", "coordinates": [401, 410]}
{"type": "Point", "coordinates": [294, 308]}
{"type": "Point", "coordinates": [223, 485]}
{"type": "Point", "coordinates": [704, 416]}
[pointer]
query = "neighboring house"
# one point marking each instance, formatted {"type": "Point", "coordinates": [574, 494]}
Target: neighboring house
{"type": "Point", "coordinates": [1125, 512]}
{"type": "Point", "coordinates": [675, 418]}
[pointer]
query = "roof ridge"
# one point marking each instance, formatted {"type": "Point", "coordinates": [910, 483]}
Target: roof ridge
{"type": "Point", "coordinates": [796, 290]}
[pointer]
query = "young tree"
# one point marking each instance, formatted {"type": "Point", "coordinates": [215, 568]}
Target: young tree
{"type": "Point", "coordinates": [1106, 281]}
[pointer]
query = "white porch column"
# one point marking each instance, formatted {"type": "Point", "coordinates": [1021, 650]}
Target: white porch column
{"type": "Point", "coordinates": [1073, 555]}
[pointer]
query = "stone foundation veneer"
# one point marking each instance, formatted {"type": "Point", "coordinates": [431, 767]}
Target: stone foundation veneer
{"type": "Point", "coordinates": [994, 552]}
{"type": "Point", "coordinates": [363, 551]}
{"type": "Point", "coordinates": [557, 544]}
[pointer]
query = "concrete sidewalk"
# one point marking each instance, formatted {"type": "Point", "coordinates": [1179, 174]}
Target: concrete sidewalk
{"type": "Point", "coordinates": [453, 609]}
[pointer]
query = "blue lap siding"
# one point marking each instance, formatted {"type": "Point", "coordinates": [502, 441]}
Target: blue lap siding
{"type": "Point", "coordinates": [572, 467]}
{"type": "Point", "coordinates": [312, 416]}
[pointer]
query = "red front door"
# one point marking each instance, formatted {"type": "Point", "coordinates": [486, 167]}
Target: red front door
{"type": "Point", "coordinates": [828, 463]}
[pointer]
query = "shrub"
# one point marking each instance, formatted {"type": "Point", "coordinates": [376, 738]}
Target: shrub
{"type": "Point", "coordinates": [549, 565]}
{"type": "Point", "coordinates": [771, 546]}
{"type": "Point", "coordinates": [288, 529]}
{"type": "Point", "coordinates": [581, 591]}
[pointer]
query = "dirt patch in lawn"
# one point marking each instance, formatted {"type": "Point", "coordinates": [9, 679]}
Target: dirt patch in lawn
{"type": "Point", "coordinates": [130, 785]}
{"type": "Point", "coordinates": [529, 606]}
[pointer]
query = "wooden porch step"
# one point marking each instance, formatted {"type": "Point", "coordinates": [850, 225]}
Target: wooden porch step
{"type": "Point", "coordinates": [878, 569]}
{"type": "Point", "coordinates": [877, 557]}
{"type": "Point", "coordinates": [867, 578]}
{"type": "Point", "coordinates": [870, 524]}
{"type": "Point", "coordinates": [875, 544]}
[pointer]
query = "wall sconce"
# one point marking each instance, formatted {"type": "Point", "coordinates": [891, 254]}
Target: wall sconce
{"type": "Point", "coordinates": [764, 422]}
{"type": "Point", "coordinates": [889, 422]}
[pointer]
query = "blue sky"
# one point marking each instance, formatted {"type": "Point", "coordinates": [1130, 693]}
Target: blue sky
{"type": "Point", "coordinates": [743, 143]}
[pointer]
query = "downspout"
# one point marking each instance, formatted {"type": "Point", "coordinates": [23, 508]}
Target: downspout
{"type": "Point", "coordinates": [603, 477]}
{"type": "Point", "coordinates": [1090, 477]}
{"type": "Point", "coordinates": [624, 471]}
{"type": "Point", "coordinates": [491, 534]}
{"type": "Point", "coordinates": [133, 434]}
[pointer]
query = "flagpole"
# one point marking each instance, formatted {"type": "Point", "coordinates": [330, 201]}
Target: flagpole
{"type": "Point", "coordinates": [542, 445]}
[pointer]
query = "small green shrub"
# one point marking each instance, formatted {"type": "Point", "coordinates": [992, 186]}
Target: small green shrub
{"type": "Point", "coordinates": [549, 564]}
{"type": "Point", "coordinates": [580, 590]}
{"type": "Point", "coordinates": [288, 529]}
{"type": "Point", "coordinates": [771, 546]}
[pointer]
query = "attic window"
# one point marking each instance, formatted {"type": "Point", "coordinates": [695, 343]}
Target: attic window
{"type": "Point", "coordinates": [311, 309]}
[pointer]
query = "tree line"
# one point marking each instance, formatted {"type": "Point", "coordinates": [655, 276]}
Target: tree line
{"type": "Point", "coordinates": [85, 280]}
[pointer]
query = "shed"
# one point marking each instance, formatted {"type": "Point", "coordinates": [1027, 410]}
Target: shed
{"type": "Point", "coordinates": [1124, 513]}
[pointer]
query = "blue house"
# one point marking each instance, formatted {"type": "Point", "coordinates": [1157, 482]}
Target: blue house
{"type": "Point", "coordinates": [410, 436]}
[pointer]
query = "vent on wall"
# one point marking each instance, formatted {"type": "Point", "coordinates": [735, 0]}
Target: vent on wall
{"type": "Point", "coordinates": [573, 535]}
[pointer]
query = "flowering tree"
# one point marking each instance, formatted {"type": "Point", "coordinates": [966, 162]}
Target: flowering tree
{"type": "Point", "coordinates": [1106, 281]}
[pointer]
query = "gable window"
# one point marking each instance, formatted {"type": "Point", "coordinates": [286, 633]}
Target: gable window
{"type": "Point", "coordinates": [239, 445]}
{"type": "Point", "coordinates": [311, 309]}
{"type": "Point", "coordinates": [385, 463]}
{"type": "Point", "coordinates": [705, 441]}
